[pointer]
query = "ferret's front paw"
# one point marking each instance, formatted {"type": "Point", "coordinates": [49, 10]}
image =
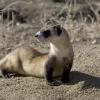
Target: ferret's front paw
{"type": "Point", "coordinates": [54, 83]}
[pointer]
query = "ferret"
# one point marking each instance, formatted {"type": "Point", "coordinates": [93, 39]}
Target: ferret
{"type": "Point", "coordinates": [30, 62]}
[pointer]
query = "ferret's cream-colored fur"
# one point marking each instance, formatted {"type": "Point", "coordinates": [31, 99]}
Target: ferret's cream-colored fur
{"type": "Point", "coordinates": [28, 61]}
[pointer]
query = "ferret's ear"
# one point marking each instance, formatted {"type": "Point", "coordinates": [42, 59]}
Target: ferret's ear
{"type": "Point", "coordinates": [59, 30]}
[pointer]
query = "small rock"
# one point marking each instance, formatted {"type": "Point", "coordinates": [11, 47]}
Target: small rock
{"type": "Point", "coordinates": [94, 41]}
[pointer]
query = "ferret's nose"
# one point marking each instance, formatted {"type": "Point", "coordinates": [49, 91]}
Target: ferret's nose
{"type": "Point", "coordinates": [36, 35]}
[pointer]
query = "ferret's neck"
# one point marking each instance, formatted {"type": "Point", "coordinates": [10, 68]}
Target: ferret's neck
{"type": "Point", "coordinates": [60, 48]}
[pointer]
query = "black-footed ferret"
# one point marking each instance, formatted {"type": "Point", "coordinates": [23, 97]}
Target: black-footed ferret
{"type": "Point", "coordinates": [28, 61]}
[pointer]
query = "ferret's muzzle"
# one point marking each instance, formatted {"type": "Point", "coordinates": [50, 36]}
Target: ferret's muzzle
{"type": "Point", "coordinates": [39, 36]}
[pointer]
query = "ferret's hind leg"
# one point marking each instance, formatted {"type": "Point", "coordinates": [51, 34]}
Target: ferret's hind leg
{"type": "Point", "coordinates": [5, 74]}
{"type": "Point", "coordinates": [5, 68]}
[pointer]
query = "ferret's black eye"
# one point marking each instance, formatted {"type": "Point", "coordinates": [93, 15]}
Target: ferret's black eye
{"type": "Point", "coordinates": [46, 33]}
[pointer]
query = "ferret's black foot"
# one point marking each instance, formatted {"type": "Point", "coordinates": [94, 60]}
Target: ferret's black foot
{"type": "Point", "coordinates": [65, 81]}
{"type": "Point", "coordinates": [65, 77]}
{"type": "Point", "coordinates": [5, 74]}
{"type": "Point", "coordinates": [54, 83]}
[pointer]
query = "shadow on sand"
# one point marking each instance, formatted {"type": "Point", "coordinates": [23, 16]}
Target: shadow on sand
{"type": "Point", "coordinates": [89, 81]}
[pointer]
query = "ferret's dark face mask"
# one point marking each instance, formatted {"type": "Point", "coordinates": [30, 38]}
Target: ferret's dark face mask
{"type": "Point", "coordinates": [49, 34]}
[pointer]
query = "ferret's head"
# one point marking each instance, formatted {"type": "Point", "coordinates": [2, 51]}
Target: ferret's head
{"type": "Point", "coordinates": [50, 34]}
